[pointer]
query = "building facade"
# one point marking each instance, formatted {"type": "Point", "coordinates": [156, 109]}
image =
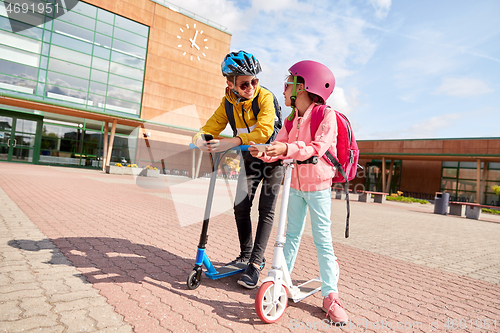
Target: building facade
{"type": "Point", "coordinates": [465, 168]}
{"type": "Point", "coordinates": [107, 81]}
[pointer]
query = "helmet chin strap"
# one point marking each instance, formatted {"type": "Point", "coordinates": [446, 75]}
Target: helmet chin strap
{"type": "Point", "coordinates": [293, 98]}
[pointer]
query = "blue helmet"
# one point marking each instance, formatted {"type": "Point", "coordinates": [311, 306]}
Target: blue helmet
{"type": "Point", "coordinates": [240, 63]}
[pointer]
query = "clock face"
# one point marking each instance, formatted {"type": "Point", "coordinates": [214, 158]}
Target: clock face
{"type": "Point", "coordinates": [192, 42]}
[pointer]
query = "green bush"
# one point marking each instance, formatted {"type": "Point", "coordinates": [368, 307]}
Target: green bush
{"type": "Point", "coordinates": [491, 211]}
{"type": "Point", "coordinates": [406, 199]}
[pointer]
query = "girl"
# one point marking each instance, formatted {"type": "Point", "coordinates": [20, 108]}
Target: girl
{"type": "Point", "coordinates": [309, 85]}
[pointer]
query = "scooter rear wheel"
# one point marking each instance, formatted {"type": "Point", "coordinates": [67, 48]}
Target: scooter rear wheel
{"type": "Point", "coordinates": [268, 309]}
{"type": "Point", "coordinates": [193, 280]}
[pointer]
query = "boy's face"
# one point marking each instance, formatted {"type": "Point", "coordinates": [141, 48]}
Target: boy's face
{"type": "Point", "coordinates": [245, 85]}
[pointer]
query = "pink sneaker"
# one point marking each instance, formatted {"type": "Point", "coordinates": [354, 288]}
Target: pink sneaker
{"type": "Point", "coordinates": [335, 309]}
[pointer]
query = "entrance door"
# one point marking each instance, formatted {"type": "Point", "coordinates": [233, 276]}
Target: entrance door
{"type": "Point", "coordinates": [19, 141]}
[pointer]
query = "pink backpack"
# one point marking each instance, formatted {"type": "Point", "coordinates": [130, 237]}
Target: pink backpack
{"type": "Point", "coordinates": [346, 159]}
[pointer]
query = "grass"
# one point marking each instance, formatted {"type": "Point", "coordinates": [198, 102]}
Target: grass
{"type": "Point", "coordinates": [406, 199]}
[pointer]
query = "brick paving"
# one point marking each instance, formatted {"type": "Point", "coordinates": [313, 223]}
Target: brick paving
{"type": "Point", "coordinates": [84, 251]}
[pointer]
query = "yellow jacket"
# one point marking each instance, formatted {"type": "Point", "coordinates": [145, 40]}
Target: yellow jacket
{"type": "Point", "coordinates": [249, 128]}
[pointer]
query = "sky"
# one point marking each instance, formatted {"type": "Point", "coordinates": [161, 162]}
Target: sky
{"type": "Point", "coordinates": [404, 69]}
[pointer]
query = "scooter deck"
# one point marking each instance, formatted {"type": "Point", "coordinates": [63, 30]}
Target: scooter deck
{"type": "Point", "coordinates": [307, 289]}
{"type": "Point", "coordinates": [227, 270]}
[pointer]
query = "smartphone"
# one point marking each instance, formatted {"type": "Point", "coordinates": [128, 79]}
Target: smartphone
{"type": "Point", "coordinates": [262, 147]}
{"type": "Point", "coordinates": [207, 137]}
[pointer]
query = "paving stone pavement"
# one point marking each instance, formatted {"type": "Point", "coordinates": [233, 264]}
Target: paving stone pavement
{"type": "Point", "coordinates": [84, 251]}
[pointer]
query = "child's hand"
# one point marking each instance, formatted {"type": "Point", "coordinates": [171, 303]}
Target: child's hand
{"type": "Point", "coordinates": [276, 149]}
{"type": "Point", "coordinates": [254, 151]}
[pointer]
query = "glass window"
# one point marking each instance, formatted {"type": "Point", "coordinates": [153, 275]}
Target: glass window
{"type": "Point", "coordinates": [23, 28]}
{"type": "Point", "coordinates": [85, 9]}
{"type": "Point", "coordinates": [470, 165]}
{"type": "Point", "coordinates": [130, 37]}
{"type": "Point", "coordinates": [102, 40]}
{"type": "Point", "coordinates": [448, 184]}
{"type": "Point", "coordinates": [123, 94]}
{"type": "Point", "coordinates": [66, 94]}
{"type": "Point", "coordinates": [102, 52]}
{"type": "Point", "coordinates": [69, 68]}
{"type": "Point", "coordinates": [450, 164]}
{"type": "Point", "coordinates": [42, 76]}
{"type": "Point", "coordinates": [468, 173]}
{"type": "Point", "coordinates": [67, 81]}
{"type": "Point", "coordinates": [70, 55]}
{"type": "Point", "coordinates": [127, 60]}
{"type": "Point", "coordinates": [450, 173]}
{"type": "Point", "coordinates": [105, 16]}
{"type": "Point", "coordinates": [131, 25]}
{"type": "Point", "coordinates": [26, 126]}
{"type": "Point", "coordinates": [494, 165]}
{"type": "Point", "coordinates": [19, 70]}
{"type": "Point", "coordinates": [129, 49]}
{"type": "Point", "coordinates": [101, 64]}
{"type": "Point", "coordinates": [96, 100]}
{"type": "Point", "coordinates": [20, 42]}
{"type": "Point", "coordinates": [104, 28]}
{"type": "Point", "coordinates": [19, 56]}
{"type": "Point", "coordinates": [123, 82]}
{"type": "Point", "coordinates": [97, 88]}
{"type": "Point", "coordinates": [99, 76]}
{"type": "Point", "coordinates": [493, 175]}
{"type": "Point", "coordinates": [467, 185]}
{"type": "Point", "coordinates": [73, 31]}
{"type": "Point", "coordinates": [126, 71]}
{"type": "Point", "coordinates": [122, 106]}
{"type": "Point", "coordinates": [77, 19]}
{"type": "Point", "coordinates": [25, 140]}
{"type": "Point", "coordinates": [17, 84]}
{"type": "Point", "coordinates": [71, 43]}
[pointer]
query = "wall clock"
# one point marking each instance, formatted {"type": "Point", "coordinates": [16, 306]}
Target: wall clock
{"type": "Point", "coordinates": [195, 41]}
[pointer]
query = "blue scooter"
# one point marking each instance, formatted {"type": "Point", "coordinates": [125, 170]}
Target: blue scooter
{"type": "Point", "coordinates": [194, 278]}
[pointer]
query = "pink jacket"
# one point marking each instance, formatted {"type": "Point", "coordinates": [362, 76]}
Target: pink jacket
{"type": "Point", "coordinates": [301, 146]}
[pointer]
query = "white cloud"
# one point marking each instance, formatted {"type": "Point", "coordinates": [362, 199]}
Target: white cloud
{"type": "Point", "coordinates": [462, 87]}
{"type": "Point", "coordinates": [342, 102]}
{"type": "Point", "coordinates": [382, 7]}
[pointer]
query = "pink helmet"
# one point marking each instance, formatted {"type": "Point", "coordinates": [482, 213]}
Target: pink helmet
{"type": "Point", "coordinates": [318, 79]}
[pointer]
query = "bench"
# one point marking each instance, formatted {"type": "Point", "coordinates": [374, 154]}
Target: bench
{"type": "Point", "coordinates": [338, 193]}
{"type": "Point", "coordinates": [366, 196]}
{"type": "Point", "coordinates": [468, 209]}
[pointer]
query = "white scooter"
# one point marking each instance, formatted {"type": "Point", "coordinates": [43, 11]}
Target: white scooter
{"type": "Point", "coordinates": [272, 298]}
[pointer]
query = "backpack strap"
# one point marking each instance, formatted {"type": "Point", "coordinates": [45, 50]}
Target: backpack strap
{"type": "Point", "coordinates": [316, 119]}
{"type": "Point", "coordinates": [230, 116]}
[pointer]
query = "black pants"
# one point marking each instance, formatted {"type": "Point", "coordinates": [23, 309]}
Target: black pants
{"type": "Point", "coordinates": [271, 175]}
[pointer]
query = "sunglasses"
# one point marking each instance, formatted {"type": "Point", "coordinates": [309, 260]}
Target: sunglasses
{"type": "Point", "coordinates": [286, 85]}
{"type": "Point", "coordinates": [245, 85]}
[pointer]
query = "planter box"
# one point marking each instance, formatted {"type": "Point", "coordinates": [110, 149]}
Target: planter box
{"type": "Point", "coordinates": [150, 173]}
{"type": "Point", "coordinates": [115, 170]}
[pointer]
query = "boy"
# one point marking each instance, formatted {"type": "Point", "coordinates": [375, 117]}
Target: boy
{"type": "Point", "coordinates": [241, 69]}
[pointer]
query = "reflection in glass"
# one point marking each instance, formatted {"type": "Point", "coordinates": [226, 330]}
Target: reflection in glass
{"type": "Point", "coordinates": [124, 82]}
{"type": "Point", "coordinates": [126, 95]}
{"type": "Point", "coordinates": [68, 68]}
{"type": "Point", "coordinates": [26, 126]}
{"type": "Point", "coordinates": [74, 44]}
{"type": "Point", "coordinates": [131, 26]}
{"type": "Point", "coordinates": [25, 140]}
{"type": "Point", "coordinates": [66, 81]}
{"type": "Point", "coordinates": [77, 19]}
{"type": "Point", "coordinates": [73, 31]}
{"type": "Point", "coordinates": [130, 37]}
{"type": "Point", "coordinates": [126, 71]}
{"type": "Point", "coordinates": [22, 154]}
{"type": "Point", "coordinates": [17, 84]}
{"type": "Point", "coordinates": [69, 55]}
{"type": "Point", "coordinates": [122, 106]}
{"type": "Point", "coordinates": [23, 71]}
{"type": "Point", "coordinates": [20, 42]}
{"type": "Point", "coordinates": [127, 60]}
{"type": "Point", "coordinates": [19, 56]}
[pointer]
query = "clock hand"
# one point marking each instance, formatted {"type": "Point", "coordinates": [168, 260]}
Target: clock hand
{"type": "Point", "coordinates": [193, 44]}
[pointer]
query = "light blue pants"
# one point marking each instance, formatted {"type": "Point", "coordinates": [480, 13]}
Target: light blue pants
{"type": "Point", "coordinates": [319, 203]}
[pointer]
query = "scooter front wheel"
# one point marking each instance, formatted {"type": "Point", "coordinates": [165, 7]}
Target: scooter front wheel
{"type": "Point", "coordinates": [193, 280]}
{"type": "Point", "coordinates": [269, 309]}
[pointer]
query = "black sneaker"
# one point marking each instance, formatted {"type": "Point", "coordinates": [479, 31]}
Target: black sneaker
{"type": "Point", "coordinates": [250, 278]}
{"type": "Point", "coordinates": [239, 260]}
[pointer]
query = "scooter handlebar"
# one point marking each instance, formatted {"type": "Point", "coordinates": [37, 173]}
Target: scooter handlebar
{"type": "Point", "coordinates": [241, 147]}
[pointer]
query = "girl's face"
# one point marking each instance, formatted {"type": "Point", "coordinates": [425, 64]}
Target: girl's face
{"type": "Point", "coordinates": [245, 85]}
